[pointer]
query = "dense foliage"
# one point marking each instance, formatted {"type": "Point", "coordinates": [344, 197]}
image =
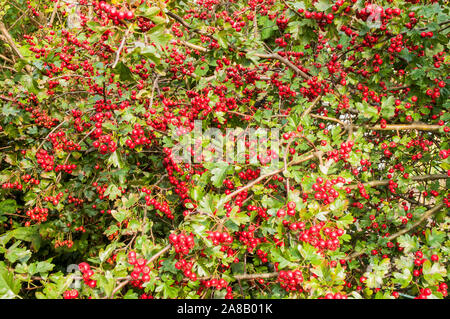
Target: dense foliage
{"type": "Point", "coordinates": [93, 204]}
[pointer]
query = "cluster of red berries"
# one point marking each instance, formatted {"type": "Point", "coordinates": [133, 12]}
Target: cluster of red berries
{"type": "Point", "coordinates": [54, 199]}
{"type": "Point", "coordinates": [100, 189]}
{"type": "Point", "coordinates": [81, 229]}
{"type": "Point", "coordinates": [27, 179]}
{"type": "Point", "coordinates": [181, 187]}
{"type": "Point", "coordinates": [262, 255]}
{"type": "Point", "coordinates": [334, 296]}
{"type": "Point", "coordinates": [66, 168]}
{"type": "Point", "coordinates": [219, 238]}
{"type": "Point", "coordinates": [424, 293]}
{"type": "Point", "coordinates": [87, 274]}
{"type": "Point", "coordinates": [343, 153]}
{"type": "Point", "coordinates": [281, 213]}
{"type": "Point", "coordinates": [249, 174]}
{"type": "Point", "coordinates": [145, 24]}
{"type": "Point", "coordinates": [70, 294]}
{"type": "Point", "coordinates": [290, 280]}
{"type": "Point", "coordinates": [45, 160]}
{"type": "Point", "coordinates": [15, 185]}
{"type": "Point", "coordinates": [218, 284]}
{"type": "Point", "coordinates": [114, 13]}
{"type": "Point", "coordinates": [105, 144]}
{"type": "Point", "coordinates": [281, 42]}
{"type": "Point", "coordinates": [229, 185]}
{"type": "Point", "coordinates": [63, 142]}
{"type": "Point", "coordinates": [329, 240]}
{"type": "Point", "coordinates": [137, 137]}
{"type": "Point", "coordinates": [37, 214]}
{"type": "Point", "coordinates": [68, 243]}
{"type": "Point", "coordinates": [262, 212]}
{"type": "Point", "coordinates": [442, 288]}
{"type": "Point", "coordinates": [76, 201]}
{"type": "Point", "coordinates": [362, 191]}
{"type": "Point", "coordinates": [187, 269]}
{"type": "Point", "coordinates": [282, 22]}
{"type": "Point", "coordinates": [162, 207]}
{"type": "Point", "coordinates": [324, 191]}
{"type": "Point", "coordinates": [321, 17]}
{"type": "Point", "coordinates": [248, 238]}
{"type": "Point", "coordinates": [140, 267]}
{"type": "Point", "coordinates": [444, 154]}
{"type": "Point", "coordinates": [239, 201]}
{"type": "Point", "coordinates": [182, 243]}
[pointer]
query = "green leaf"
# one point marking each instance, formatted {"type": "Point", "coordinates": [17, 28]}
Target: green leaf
{"type": "Point", "coordinates": [159, 36]}
{"type": "Point", "coordinates": [435, 238]}
{"type": "Point", "coordinates": [433, 273]}
{"type": "Point", "coordinates": [9, 286]}
{"type": "Point", "coordinates": [387, 107]}
{"type": "Point", "coordinates": [309, 253]}
{"type": "Point", "coordinates": [148, 12]}
{"type": "Point", "coordinates": [323, 5]}
{"type": "Point", "coordinates": [169, 291]}
{"type": "Point", "coordinates": [278, 257]}
{"type": "Point", "coordinates": [8, 206]}
{"type": "Point", "coordinates": [408, 242]}
{"type": "Point", "coordinates": [238, 218]}
{"type": "Point", "coordinates": [8, 110]}
{"type": "Point", "coordinates": [43, 267]}
{"type": "Point", "coordinates": [345, 220]}
{"type": "Point", "coordinates": [219, 172]}
{"type": "Point", "coordinates": [120, 215]}
{"type": "Point", "coordinates": [124, 72]}
{"type": "Point", "coordinates": [403, 278]}
{"type": "Point", "coordinates": [130, 201]}
{"type": "Point", "coordinates": [115, 160]}
{"type": "Point", "coordinates": [105, 253]}
{"type": "Point", "coordinates": [15, 253]}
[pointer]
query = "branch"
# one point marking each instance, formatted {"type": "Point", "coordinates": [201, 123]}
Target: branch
{"type": "Point", "coordinates": [55, 10]}
{"type": "Point", "coordinates": [245, 276]}
{"type": "Point", "coordinates": [9, 39]}
{"type": "Point", "coordinates": [6, 98]}
{"type": "Point", "coordinates": [6, 58]}
{"type": "Point", "coordinates": [309, 109]}
{"type": "Point", "coordinates": [57, 127]}
{"type": "Point", "coordinates": [415, 126]}
{"type": "Point", "coordinates": [121, 47]}
{"type": "Point", "coordinates": [11, 43]}
{"type": "Point", "coordinates": [284, 61]}
{"type": "Point", "coordinates": [326, 118]}
{"type": "Point", "coordinates": [184, 23]}
{"type": "Point", "coordinates": [194, 46]}
{"type": "Point", "coordinates": [413, 178]}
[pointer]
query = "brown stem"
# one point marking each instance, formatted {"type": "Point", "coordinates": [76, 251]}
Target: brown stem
{"type": "Point", "coordinates": [413, 178]}
{"type": "Point", "coordinates": [284, 61]}
{"type": "Point", "coordinates": [309, 109]}
{"type": "Point", "coordinates": [416, 126]}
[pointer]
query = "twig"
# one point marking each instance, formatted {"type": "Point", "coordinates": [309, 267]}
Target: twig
{"type": "Point", "coordinates": [413, 178]}
{"type": "Point", "coordinates": [309, 109]}
{"type": "Point", "coordinates": [121, 46]}
{"type": "Point", "coordinates": [57, 127]}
